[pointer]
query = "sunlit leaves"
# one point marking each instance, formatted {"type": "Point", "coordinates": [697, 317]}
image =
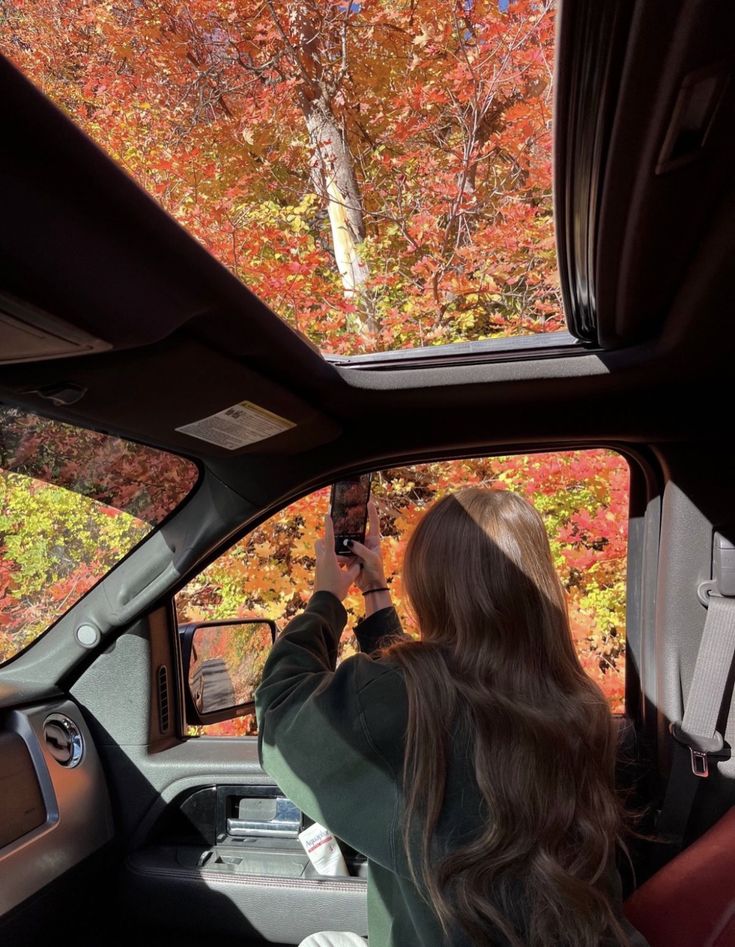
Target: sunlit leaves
{"type": "Point", "coordinates": [582, 495]}
{"type": "Point", "coordinates": [446, 114]}
{"type": "Point", "coordinates": [55, 545]}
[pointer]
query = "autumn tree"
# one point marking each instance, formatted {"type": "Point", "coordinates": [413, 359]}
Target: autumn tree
{"type": "Point", "coordinates": [318, 49]}
{"type": "Point", "coordinates": [378, 172]}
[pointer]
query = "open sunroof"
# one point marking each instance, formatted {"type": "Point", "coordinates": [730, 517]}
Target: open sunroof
{"type": "Point", "coordinates": [379, 173]}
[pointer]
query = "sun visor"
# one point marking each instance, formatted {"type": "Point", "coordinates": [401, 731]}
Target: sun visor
{"type": "Point", "coordinates": [28, 334]}
{"type": "Point", "coordinates": [180, 395]}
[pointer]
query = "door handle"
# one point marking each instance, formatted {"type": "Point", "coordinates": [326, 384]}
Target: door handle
{"type": "Point", "coordinates": [286, 823]}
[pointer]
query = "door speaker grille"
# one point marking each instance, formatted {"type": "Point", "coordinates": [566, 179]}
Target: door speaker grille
{"type": "Point", "coordinates": [163, 707]}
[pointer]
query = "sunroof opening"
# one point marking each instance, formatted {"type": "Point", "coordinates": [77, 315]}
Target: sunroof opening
{"type": "Point", "coordinates": [378, 172]}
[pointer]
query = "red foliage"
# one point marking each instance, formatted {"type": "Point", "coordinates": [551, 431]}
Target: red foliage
{"type": "Point", "coordinates": [435, 126]}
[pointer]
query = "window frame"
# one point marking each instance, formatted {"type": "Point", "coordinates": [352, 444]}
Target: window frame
{"type": "Point", "coordinates": [543, 345]}
{"type": "Point", "coordinates": [644, 485]}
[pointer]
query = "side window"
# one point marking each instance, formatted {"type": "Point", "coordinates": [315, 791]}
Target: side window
{"type": "Point", "coordinates": [73, 503]}
{"type": "Point", "coordinates": [582, 495]}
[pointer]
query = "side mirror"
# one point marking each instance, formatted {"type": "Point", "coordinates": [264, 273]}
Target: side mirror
{"type": "Point", "coordinates": [223, 664]}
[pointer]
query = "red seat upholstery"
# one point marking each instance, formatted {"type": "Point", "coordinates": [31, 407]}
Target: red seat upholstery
{"type": "Point", "coordinates": [690, 902]}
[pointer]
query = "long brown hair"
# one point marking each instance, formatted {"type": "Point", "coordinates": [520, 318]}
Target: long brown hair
{"type": "Point", "coordinates": [496, 661]}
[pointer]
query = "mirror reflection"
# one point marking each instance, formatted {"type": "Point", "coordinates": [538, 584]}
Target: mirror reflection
{"type": "Point", "coordinates": [226, 664]}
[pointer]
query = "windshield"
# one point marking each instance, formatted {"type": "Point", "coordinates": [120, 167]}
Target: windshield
{"type": "Point", "coordinates": [379, 173]}
{"type": "Point", "coordinates": [73, 502]}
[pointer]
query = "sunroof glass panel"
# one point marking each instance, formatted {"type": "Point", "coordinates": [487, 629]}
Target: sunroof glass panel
{"type": "Point", "coordinates": [379, 173]}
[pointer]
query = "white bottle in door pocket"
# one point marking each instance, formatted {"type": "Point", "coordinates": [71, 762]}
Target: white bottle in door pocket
{"type": "Point", "coordinates": [323, 851]}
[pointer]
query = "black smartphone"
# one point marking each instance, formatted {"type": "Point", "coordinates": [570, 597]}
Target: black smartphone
{"type": "Point", "coordinates": [348, 508]}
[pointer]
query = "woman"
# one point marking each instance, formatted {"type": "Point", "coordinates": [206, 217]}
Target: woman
{"type": "Point", "coordinates": [474, 768]}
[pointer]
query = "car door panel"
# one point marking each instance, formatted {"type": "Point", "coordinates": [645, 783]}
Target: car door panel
{"type": "Point", "coordinates": [194, 867]}
{"type": "Point", "coordinates": [211, 857]}
{"type": "Point", "coordinates": [228, 866]}
{"type": "Point", "coordinates": [273, 909]}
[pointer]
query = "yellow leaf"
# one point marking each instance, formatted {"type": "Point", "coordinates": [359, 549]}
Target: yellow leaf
{"type": "Point", "coordinates": [422, 39]}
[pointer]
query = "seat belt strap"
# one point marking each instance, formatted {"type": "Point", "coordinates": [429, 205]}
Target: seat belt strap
{"type": "Point", "coordinates": [697, 738]}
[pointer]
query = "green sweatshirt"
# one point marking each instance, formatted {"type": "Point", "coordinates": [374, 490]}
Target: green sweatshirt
{"type": "Point", "coordinates": [333, 740]}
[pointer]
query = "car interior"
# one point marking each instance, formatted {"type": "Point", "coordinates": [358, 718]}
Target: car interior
{"type": "Point", "coordinates": [116, 821]}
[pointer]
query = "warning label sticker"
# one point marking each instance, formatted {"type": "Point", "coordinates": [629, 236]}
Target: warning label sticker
{"type": "Point", "coordinates": [242, 424]}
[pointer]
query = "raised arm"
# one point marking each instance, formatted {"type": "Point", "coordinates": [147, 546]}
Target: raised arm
{"type": "Point", "coordinates": [315, 736]}
{"type": "Point", "coordinates": [381, 625]}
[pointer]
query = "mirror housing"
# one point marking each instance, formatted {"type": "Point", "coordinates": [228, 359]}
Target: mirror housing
{"type": "Point", "coordinates": [223, 662]}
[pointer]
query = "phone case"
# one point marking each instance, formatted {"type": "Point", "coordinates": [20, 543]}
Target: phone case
{"type": "Point", "coordinates": [350, 522]}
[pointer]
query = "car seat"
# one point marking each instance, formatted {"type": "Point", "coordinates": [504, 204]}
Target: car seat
{"type": "Point", "coordinates": [690, 902]}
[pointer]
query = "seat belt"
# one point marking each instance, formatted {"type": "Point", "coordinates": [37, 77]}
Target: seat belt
{"type": "Point", "coordinates": [696, 737]}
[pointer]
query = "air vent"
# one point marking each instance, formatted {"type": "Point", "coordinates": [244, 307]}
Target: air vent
{"type": "Point", "coordinates": [63, 740]}
{"type": "Point", "coordinates": [163, 716]}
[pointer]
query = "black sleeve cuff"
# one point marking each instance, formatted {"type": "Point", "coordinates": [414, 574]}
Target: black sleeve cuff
{"type": "Point", "coordinates": [379, 630]}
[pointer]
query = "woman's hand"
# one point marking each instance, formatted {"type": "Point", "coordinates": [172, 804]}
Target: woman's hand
{"type": "Point", "coordinates": [331, 574]}
{"type": "Point", "coordinates": [372, 575]}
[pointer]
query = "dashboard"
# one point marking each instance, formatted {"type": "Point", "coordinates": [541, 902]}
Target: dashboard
{"type": "Point", "coordinates": [55, 808]}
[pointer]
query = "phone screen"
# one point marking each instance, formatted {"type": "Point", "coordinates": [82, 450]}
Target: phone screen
{"type": "Point", "coordinates": [349, 511]}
